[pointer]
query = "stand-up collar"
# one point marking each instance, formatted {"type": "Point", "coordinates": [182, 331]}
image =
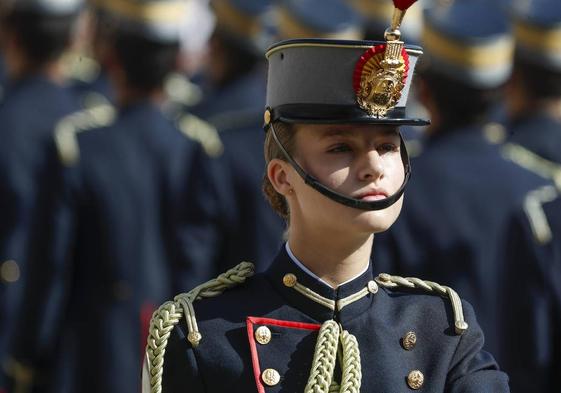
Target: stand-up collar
{"type": "Point", "coordinates": [300, 289]}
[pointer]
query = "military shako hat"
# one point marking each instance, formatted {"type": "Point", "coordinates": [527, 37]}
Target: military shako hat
{"type": "Point", "coordinates": [326, 81]}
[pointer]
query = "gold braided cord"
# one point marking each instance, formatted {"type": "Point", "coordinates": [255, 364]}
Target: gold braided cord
{"type": "Point", "coordinates": [389, 281]}
{"type": "Point", "coordinates": [352, 298]}
{"type": "Point", "coordinates": [331, 336]}
{"type": "Point", "coordinates": [170, 313]}
{"type": "Point", "coordinates": [314, 296]}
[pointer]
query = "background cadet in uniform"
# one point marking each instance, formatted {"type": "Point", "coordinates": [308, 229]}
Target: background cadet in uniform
{"type": "Point", "coordinates": [33, 36]}
{"type": "Point", "coordinates": [530, 295]}
{"type": "Point", "coordinates": [462, 193]}
{"type": "Point", "coordinates": [534, 92]}
{"type": "Point", "coordinates": [319, 290]}
{"type": "Point", "coordinates": [104, 249]}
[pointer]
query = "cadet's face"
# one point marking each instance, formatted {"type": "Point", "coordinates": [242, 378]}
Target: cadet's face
{"type": "Point", "coordinates": [360, 161]}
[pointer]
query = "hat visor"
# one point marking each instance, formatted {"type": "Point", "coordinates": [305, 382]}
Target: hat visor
{"type": "Point", "coordinates": [341, 114]}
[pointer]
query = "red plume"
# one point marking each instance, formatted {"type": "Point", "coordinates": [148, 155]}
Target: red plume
{"type": "Point", "coordinates": [403, 4]}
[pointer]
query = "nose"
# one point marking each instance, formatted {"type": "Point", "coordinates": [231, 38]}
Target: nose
{"type": "Point", "coordinates": [371, 166]}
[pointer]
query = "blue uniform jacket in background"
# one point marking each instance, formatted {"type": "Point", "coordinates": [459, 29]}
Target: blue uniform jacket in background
{"type": "Point", "coordinates": [228, 357]}
{"type": "Point", "coordinates": [539, 133]}
{"type": "Point", "coordinates": [105, 253]}
{"type": "Point", "coordinates": [461, 197]}
{"type": "Point", "coordinates": [29, 109]}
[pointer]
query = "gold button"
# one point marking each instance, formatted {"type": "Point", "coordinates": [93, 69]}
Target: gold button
{"type": "Point", "coordinates": [372, 287]}
{"type": "Point", "coordinates": [9, 271]}
{"type": "Point", "coordinates": [263, 335]}
{"type": "Point", "coordinates": [289, 280]}
{"type": "Point", "coordinates": [415, 379]}
{"type": "Point", "coordinates": [267, 117]}
{"type": "Point", "coordinates": [409, 340]}
{"type": "Point", "coordinates": [271, 377]}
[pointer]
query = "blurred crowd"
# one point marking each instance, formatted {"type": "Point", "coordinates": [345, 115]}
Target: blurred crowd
{"type": "Point", "coordinates": [131, 167]}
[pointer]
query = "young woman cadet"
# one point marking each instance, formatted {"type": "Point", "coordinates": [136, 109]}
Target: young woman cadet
{"type": "Point", "coordinates": [318, 320]}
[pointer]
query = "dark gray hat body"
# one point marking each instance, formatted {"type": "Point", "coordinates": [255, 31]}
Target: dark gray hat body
{"type": "Point", "coordinates": [313, 81]}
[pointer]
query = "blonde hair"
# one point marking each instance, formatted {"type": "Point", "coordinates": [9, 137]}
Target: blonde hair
{"type": "Point", "coordinates": [286, 135]}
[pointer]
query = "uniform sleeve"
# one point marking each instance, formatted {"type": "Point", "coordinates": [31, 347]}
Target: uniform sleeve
{"type": "Point", "coordinates": [38, 322]}
{"type": "Point", "coordinates": [181, 372]}
{"type": "Point", "coordinates": [472, 370]}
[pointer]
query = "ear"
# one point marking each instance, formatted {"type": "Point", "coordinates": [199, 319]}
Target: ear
{"type": "Point", "coordinates": [278, 172]}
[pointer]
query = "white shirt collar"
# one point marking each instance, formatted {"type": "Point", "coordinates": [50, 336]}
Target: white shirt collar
{"type": "Point", "coordinates": [311, 274]}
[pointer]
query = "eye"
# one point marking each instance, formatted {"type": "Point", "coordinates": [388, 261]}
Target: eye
{"type": "Point", "coordinates": [339, 148]}
{"type": "Point", "coordinates": [388, 148]}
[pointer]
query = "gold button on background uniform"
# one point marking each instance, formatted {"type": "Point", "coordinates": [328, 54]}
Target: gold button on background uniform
{"type": "Point", "coordinates": [263, 335]}
{"type": "Point", "coordinates": [9, 271]}
{"type": "Point", "coordinates": [415, 379]}
{"type": "Point", "coordinates": [289, 280]}
{"type": "Point", "coordinates": [409, 340]}
{"type": "Point", "coordinates": [270, 376]}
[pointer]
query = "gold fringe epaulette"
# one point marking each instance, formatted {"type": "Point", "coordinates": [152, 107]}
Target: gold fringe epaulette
{"type": "Point", "coordinates": [170, 313]}
{"type": "Point", "coordinates": [394, 282]}
{"type": "Point", "coordinates": [65, 131]}
{"type": "Point", "coordinates": [203, 132]}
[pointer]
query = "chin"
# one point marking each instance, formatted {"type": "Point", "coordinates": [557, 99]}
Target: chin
{"type": "Point", "coordinates": [376, 221]}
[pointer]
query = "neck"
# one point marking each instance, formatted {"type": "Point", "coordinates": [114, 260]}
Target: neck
{"type": "Point", "coordinates": [129, 96]}
{"type": "Point", "coordinates": [20, 69]}
{"type": "Point", "coordinates": [335, 258]}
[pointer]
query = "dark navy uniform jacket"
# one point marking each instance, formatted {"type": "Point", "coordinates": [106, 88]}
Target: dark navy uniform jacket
{"type": "Point", "coordinates": [457, 206]}
{"type": "Point", "coordinates": [539, 133]}
{"type": "Point", "coordinates": [229, 359]}
{"type": "Point", "coordinates": [531, 304]}
{"type": "Point", "coordinates": [28, 111]}
{"type": "Point", "coordinates": [107, 230]}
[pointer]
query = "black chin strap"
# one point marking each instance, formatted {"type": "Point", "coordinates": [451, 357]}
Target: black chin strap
{"type": "Point", "coordinates": [340, 198]}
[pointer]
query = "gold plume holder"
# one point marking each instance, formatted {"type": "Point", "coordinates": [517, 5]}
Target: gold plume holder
{"type": "Point", "coordinates": [380, 90]}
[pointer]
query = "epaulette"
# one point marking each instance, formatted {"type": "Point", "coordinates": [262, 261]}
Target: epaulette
{"type": "Point", "coordinates": [203, 132]}
{"type": "Point", "coordinates": [69, 126]}
{"type": "Point", "coordinates": [532, 162]}
{"type": "Point", "coordinates": [395, 282]}
{"type": "Point", "coordinates": [179, 89]}
{"type": "Point", "coordinates": [80, 67]}
{"type": "Point", "coordinates": [533, 208]}
{"type": "Point", "coordinates": [170, 313]}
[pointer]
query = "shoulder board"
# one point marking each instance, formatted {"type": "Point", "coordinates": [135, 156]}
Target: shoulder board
{"type": "Point", "coordinates": [170, 313]}
{"type": "Point", "coordinates": [179, 89]}
{"type": "Point", "coordinates": [532, 162]}
{"type": "Point", "coordinates": [395, 282]}
{"type": "Point", "coordinates": [494, 133]}
{"type": "Point", "coordinates": [203, 132]}
{"type": "Point", "coordinates": [69, 126]}
{"type": "Point", "coordinates": [533, 208]}
{"type": "Point", "coordinates": [80, 67]}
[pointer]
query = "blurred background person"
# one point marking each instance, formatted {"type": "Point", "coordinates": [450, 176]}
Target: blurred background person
{"type": "Point", "coordinates": [103, 249]}
{"type": "Point", "coordinates": [463, 192]}
{"type": "Point", "coordinates": [33, 36]}
{"type": "Point", "coordinates": [530, 295]}
{"type": "Point", "coordinates": [534, 91]}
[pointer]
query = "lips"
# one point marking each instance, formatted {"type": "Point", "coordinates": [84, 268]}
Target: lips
{"type": "Point", "coordinates": [372, 195]}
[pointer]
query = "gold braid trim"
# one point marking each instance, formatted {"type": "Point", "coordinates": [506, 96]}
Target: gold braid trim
{"type": "Point", "coordinates": [389, 281]}
{"type": "Point", "coordinates": [330, 336]}
{"type": "Point", "coordinates": [169, 314]}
